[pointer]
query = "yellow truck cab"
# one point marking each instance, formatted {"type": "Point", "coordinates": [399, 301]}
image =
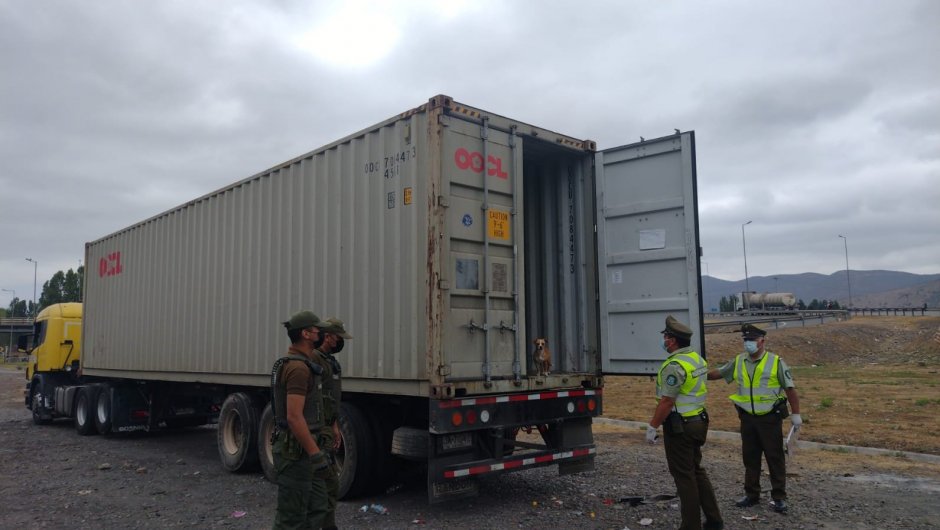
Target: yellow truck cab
{"type": "Point", "coordinates": [55, 358]}
{"type": "Point", "coordinates": [58, 332]}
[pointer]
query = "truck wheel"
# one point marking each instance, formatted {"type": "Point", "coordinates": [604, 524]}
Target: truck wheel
{"type": "Point", "coordinates": [84, 411]}
{"type": "Point", "coordinates": [265, 448]}
{"type": "Point", "coordinates": [238, 433]}
{"type": "Point", "coordinates": [356, 454]}
{"type": "Point", "coordinates": [35, 402]}
{"type": "Point", "coordinates": [103, 411]}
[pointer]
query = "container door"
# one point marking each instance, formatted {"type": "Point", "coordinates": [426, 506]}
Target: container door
{"type": "Point", "coordinates": [482, 187]}
{"type": "Point", "coordinates": [648, 258]}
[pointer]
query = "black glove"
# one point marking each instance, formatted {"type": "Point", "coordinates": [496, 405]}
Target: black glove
{"type": "Point", "coordinates": [319, 461]}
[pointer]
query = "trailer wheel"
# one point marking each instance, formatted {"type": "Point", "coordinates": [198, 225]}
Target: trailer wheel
{"type": "Point", "coordinates": [238, 433]}
{"type": "Point", "coordinates": [356, 454]}
{"type": "Point", "coordinates": [265, 448]}
{"type": "Point", "coordinates": [103, 411]}
{"type": "Point", "coordinates": [84, 411]}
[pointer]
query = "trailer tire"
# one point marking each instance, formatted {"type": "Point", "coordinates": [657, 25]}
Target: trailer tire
{"type": "Point", "coordinates": [102, 410]}
{"type": "Point", "coordinates": [356, 454]}
{"type": "Point", "coordinates": [411, 443]}
{"type": "Point", "coordinates": [85, 411]}
{"type": "Point", "coordinates": [265, 448]}
{"type": "Point", "coordinates": [237, 435]}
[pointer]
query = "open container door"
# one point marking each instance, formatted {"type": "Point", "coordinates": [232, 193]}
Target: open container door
{"type": "Point", "coordinates": [648, 258]}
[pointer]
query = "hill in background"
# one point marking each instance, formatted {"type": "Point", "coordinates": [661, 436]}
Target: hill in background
{"type": "Point", "coordinates": [869, 288]}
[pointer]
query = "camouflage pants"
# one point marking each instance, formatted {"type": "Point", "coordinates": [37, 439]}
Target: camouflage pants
{"type": "Point", "coordinates": [302, 499]}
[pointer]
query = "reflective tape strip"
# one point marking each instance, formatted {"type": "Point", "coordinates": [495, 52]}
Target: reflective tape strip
{"type": "Point", "coordinates": [520, 462]}
{"type": "Point", "coordinates": [454, 403]}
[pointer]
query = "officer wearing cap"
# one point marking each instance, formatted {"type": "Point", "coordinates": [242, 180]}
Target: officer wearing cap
{"type": "Point", "coordinates": [681, 391]}
{"type": "Point", "coordinates": [296, 386]}
{"type": "Point", "coordinates": [329, 438]}
{"type": "Point", "coordinates": [765, 385]}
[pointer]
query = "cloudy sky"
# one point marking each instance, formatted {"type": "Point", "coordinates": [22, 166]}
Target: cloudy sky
{"type": "Point", "coordinates": [812, 118]}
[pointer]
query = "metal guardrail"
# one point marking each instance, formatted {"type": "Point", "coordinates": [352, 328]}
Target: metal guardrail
{"type": "Point", "coordinates": [730, 322]}
{"type": "Point", "coordinates": [18, 322]}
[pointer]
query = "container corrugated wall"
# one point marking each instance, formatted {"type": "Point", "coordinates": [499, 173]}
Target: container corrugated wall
{"type": "Point", "coordinates": [198, 293]}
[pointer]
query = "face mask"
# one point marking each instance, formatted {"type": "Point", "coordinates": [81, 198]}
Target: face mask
{"type": "Point", "coordinates": [750, 346]}
{"type": "Point", "coordinates": [663, 344]}
{"type": "Point", "coordinates": [339, 345]}
{"type": "Point", "coordinates": [318, 341]}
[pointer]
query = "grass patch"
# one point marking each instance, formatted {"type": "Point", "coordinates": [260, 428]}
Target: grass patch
{"type": "Point", "coordinates": [825, 403]}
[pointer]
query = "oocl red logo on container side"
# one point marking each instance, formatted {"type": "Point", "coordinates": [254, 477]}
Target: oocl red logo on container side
{"type": "Point", "coordinates": [473, 160]}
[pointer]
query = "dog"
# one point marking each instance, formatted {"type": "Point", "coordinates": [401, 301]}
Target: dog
{"type": "Point", "coordinates": [542, 356]}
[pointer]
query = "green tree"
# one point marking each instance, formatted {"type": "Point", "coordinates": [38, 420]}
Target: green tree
{"type": "Point", "coordinates": [801, 305]}
{"type": "Point", "coordinates": [62, 287]}
{"type": "Point", "coordinates": [723, 305]}
{"type": "Point", "coordinates": [18, 308]}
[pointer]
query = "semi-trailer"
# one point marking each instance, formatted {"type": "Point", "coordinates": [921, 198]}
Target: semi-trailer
{"type": "Point", "coordinates": [448, 238]}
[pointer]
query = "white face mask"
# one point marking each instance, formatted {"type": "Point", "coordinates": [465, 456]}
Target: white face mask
{"type": "Point", "coordinates": [750, 346]}
{"type": "Point", "coordinates": [663, 344]}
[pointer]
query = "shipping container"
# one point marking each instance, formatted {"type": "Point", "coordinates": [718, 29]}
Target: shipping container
{"type": "Point", "coordinates": [447, 238]}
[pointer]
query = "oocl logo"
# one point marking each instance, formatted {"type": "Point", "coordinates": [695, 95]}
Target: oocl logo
{"type": "Point", "coordinates": [473, 160]}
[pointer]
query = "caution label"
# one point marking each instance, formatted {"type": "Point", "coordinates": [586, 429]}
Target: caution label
{"type": "Point", "coordinates": [497, 224]}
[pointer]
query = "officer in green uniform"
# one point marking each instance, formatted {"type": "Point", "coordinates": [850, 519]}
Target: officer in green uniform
{"type": "Point", "coordinates": [681, 391]}
{"type": "Point", "coordinates": [296, 385]}
{"type": "Point", "coordinates": [764, 387]}
{"type": "Point", "coordinates": [329, 439]}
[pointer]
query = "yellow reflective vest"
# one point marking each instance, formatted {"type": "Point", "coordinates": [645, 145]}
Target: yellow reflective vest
{"type": "Point", "coordinates": [759, 393]}
{"type": "Point", "coordinates": [691, 398]}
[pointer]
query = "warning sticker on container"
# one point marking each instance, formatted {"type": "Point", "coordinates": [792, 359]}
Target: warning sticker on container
{"type": "Point", "coordinates": [497, 224]}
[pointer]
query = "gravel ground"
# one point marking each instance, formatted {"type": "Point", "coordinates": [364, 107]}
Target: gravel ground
{"type": "Point", "coordinates": [50, 477]}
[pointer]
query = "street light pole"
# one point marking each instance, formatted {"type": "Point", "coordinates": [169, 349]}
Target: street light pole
{"type": "Point", "coordinates": [775, 285]}
{"type": "Point", "coordinates": [35, 266]}
{"type": "Point", "coordinates": [747, 287]}
{"type": "Point", "coordinates": [13, 311]}
{"type": "Point", "coordinates": [847, 280]}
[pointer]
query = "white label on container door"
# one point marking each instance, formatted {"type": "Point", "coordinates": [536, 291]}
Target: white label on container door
{"type": "Point", "coordinates": [652, 239]}
{"type": "Point", "coordinates": [617, 276]}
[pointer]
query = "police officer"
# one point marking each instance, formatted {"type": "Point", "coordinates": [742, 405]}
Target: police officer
{"type": "Point", "coordinates": [764, 387]}
{"type": "Point", "coordinates": [298, 410]}
{"type": "Point", "coordinates": [329, 439]}
{"type": "Point", "coordinates": [681, 391]}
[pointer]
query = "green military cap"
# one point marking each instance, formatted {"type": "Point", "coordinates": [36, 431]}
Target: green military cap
{"type": "Point", "coordinates": [674, 327]}
{"type": "Point", "coordinates": [334, 326]}
{"type": "Point", "coordinates": [750, 331]}
{"type": "Point", "coordinates": [302, 320]}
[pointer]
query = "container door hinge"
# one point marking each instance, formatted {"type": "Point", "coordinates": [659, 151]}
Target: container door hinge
{"type": "Point", "coordinates": [443, 370]}
{"type": "Point", "coordinates": [442, 201]}
{"type": "Point", "coordinates": [503, 327]}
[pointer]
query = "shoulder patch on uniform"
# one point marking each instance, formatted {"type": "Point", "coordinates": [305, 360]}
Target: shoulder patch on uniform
{"type": "Point", "coordinates": [787, 373]}
{"type": "Point", "coordinates": [671, 380]}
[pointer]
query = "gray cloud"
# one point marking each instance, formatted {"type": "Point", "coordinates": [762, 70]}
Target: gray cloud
{"type": "Point", "coordinates": [812, 119]}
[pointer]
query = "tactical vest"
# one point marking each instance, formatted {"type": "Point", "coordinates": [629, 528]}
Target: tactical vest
{"type": "Point", "coordinates": [313, 402]}
{"type": "Point", "coordinates": [691, 398]}
{"type": "Point", "coordinates": [332, 391]}
{"type": "Point", "coordinates": [757, 395]}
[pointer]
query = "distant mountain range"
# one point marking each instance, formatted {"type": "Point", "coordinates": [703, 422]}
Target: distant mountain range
{"type": "Point", "coordinates": [869, 288]}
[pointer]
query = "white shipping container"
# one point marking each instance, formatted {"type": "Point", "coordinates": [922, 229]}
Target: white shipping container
{"type": "Point", "coordinates": [447, 238]}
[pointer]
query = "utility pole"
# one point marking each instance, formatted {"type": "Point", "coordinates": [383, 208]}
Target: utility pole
{"type": "Point", "coordinates": [747, 287]}
{"type": "Point", "coordinates": [847, 280]}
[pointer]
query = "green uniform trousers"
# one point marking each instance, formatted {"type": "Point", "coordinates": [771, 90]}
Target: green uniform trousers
{"type": "Point", "coordinates": [684, 457]}
{"type": "Point", "coordinates": [302, 499]}
{"type": "Point", "coordinates": [330, 478]}
{"type": "Point", "coordinates": [763, 436]}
